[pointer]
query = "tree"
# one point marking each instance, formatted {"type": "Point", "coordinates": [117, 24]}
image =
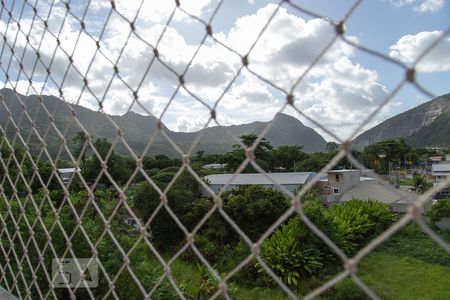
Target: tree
{"type": "Point", "coordinates": [181, 196]}
{"type": "Point", "coordinates": [118, 167]}
{"type": "Point", "coordinates": [381, 154]}
{"type": "Point", "coordinates": [234, 159]}
{"type": "Point", "coordinates": [332, 147]}
{"type": "Point", "coordinates": [254, 208]}
{"type": "Point", "coordinates": [263, 148]}
{"type": "Point", "coordinates": [159, 161]}
{"type": "Point", "coordinates": [262, 153]}
{"type": "Point", "coordinates": [287, 156]}
{"type": "Point", "coordinates": [421, 184]}
{"type": "Point", "coordinates": [439, 210]}
{"type": "Point", "coordinates": [314, 162]}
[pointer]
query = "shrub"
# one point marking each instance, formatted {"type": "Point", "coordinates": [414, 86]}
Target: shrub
{"type": "Point", "coordinates": [354, 222]}
{"type": "Point", "coordinates": [209, 284]}
{"type": "Point", "coordinates": [378, 213]}
{"type": "Point", "coordinates": [209, 249]}
{"type": "Point", "coordinates": [231, 256]}
{"type": "Point", "coordinates": [181, 196]}
{"type": "Point", "coordinates": [412, 242]}
{"type": "Point", "coordinates": [421, 184]}
{"type": "Point", "coordinates": [348, 290]}
{"type": "Point", "coordinates": [290, 257]}
{"type": "Point", "coordinates": [439, 210]}
{"type": "Point", "coordinates": [254, 208]}
{"type": "Point", "coordinates": [152, 172]}
{"type": "Point", "coordinates": [171, 169]}
{"type": "Point", "coordinates": [163, 178]}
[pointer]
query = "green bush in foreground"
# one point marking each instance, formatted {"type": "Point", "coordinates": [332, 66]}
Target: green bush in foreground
{"type": "Point", "coordinates": [354, 222]}
{"type": "Point", "coordinates": [293, 252]}
{"type": "Point", "coordinates": [288, 257]}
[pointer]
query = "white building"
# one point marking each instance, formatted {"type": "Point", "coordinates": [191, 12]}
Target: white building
{"type": "Point", "coordinates": [66, 173]}
{"type": "Point", "coordinates": [215, 166]}
{"type": "Point", "coordinates": [440, 171]}
{"type": "Point", "coordinates": [290, 181]}
{"type": "Point", "coordinates": [344, 185]}
{"type": "Point", "coordinates": [337, 182]}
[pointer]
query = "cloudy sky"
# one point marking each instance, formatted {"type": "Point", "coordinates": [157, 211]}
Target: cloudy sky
{"type": "Point", "coordinates": [339, 92]}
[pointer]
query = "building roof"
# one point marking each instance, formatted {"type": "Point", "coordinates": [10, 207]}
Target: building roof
{"type": "Point", "coordinates": [68, 170]}
{"type": "Point", "coordinates": [361, 178]}
{"type": "Point", "coordinates": [441, 168]}
{"type": "Point", "coordinates": [256, 178]}
{"type": "Point", "coordinates": [343, 171]}
{"type": "Point", "coordinates": [215, 166]}
{"type": "Point", "coordinates": [377, 191]}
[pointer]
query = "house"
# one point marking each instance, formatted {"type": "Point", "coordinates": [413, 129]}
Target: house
{"type": "Point", "coordinates": [289, 181]}
{"type": "Point", "coordinates": [215, 166]}
{"type": "Point", "coordinates": [67, 173]}
{"type": "Point", "coordinates": [440, 171]}
{"type": "Point", "coordinates": [344, 185]}
{"type": "Point", "coordinates": [336, 182]}
{"type": "Point", "coordinates": [397, 200]}
{"type": "Point", "coordinates": [436, 158]}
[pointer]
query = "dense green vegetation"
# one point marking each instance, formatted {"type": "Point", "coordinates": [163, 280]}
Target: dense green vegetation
{"type": "Point", "coordinates": [440, 210]}
{"type": "Point", "coordinates": [410, 265]}
{"type": "Point", "coordinates": [33, 203]}
{"type": "Point", "coordinates": [382, 156]}
{"type": "Point", "coordinates": [394, 277]}
{"type": "Point", "coordinates": [218, 242]}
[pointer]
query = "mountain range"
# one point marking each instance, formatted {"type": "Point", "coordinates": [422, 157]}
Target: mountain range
{"type": "Point", "coordinates": [136, 129]}
{"type": "Point", "coordinates": [425, 125]}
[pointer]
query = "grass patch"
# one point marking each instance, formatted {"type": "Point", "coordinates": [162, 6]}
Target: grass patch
{"type": "Point", "coordinates": [188, 277]}
{"type": "Point", "coordinates": [406, 181]}
{"type": "Point", "coordinates": [393, 277]}
{"type": "Point", "coordinates": [261, 293]}
{"type": "Point", "coordinates": [412, 242]}
{"type": "Point", "coordinates": [410, 265]}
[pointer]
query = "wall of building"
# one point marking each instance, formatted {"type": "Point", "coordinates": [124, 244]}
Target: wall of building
{"type": "Point", "coordinates": [339, 182]}
{"type": "Point", "coordinates": [217, 187]}
{"type": "Point", "coordinates": [444, 223]}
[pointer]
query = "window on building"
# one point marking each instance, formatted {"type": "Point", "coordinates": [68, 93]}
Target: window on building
{"type": "Point", "coordinates": [337, 177]}
{"type": "Point", "coordinates": [336, 191]}
{"type": "Point", "coordinates": [325, 186]}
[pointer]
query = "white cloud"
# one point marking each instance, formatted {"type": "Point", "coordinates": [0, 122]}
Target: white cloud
{"type": "Point", "coordinates": [337, 92]}
{"type": "Point", "coordinates": [287, 47]}
{"type": "Point", "coordinates": [153, 11]}
{"type": "Point", "coordinates": [423, 6]}
{"type": "Point", "coordinates": [409, 47]}
{"type": "Point", "coordinates": [430, 6]}
{"type": "Point", "coordinates": [185, 124]}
